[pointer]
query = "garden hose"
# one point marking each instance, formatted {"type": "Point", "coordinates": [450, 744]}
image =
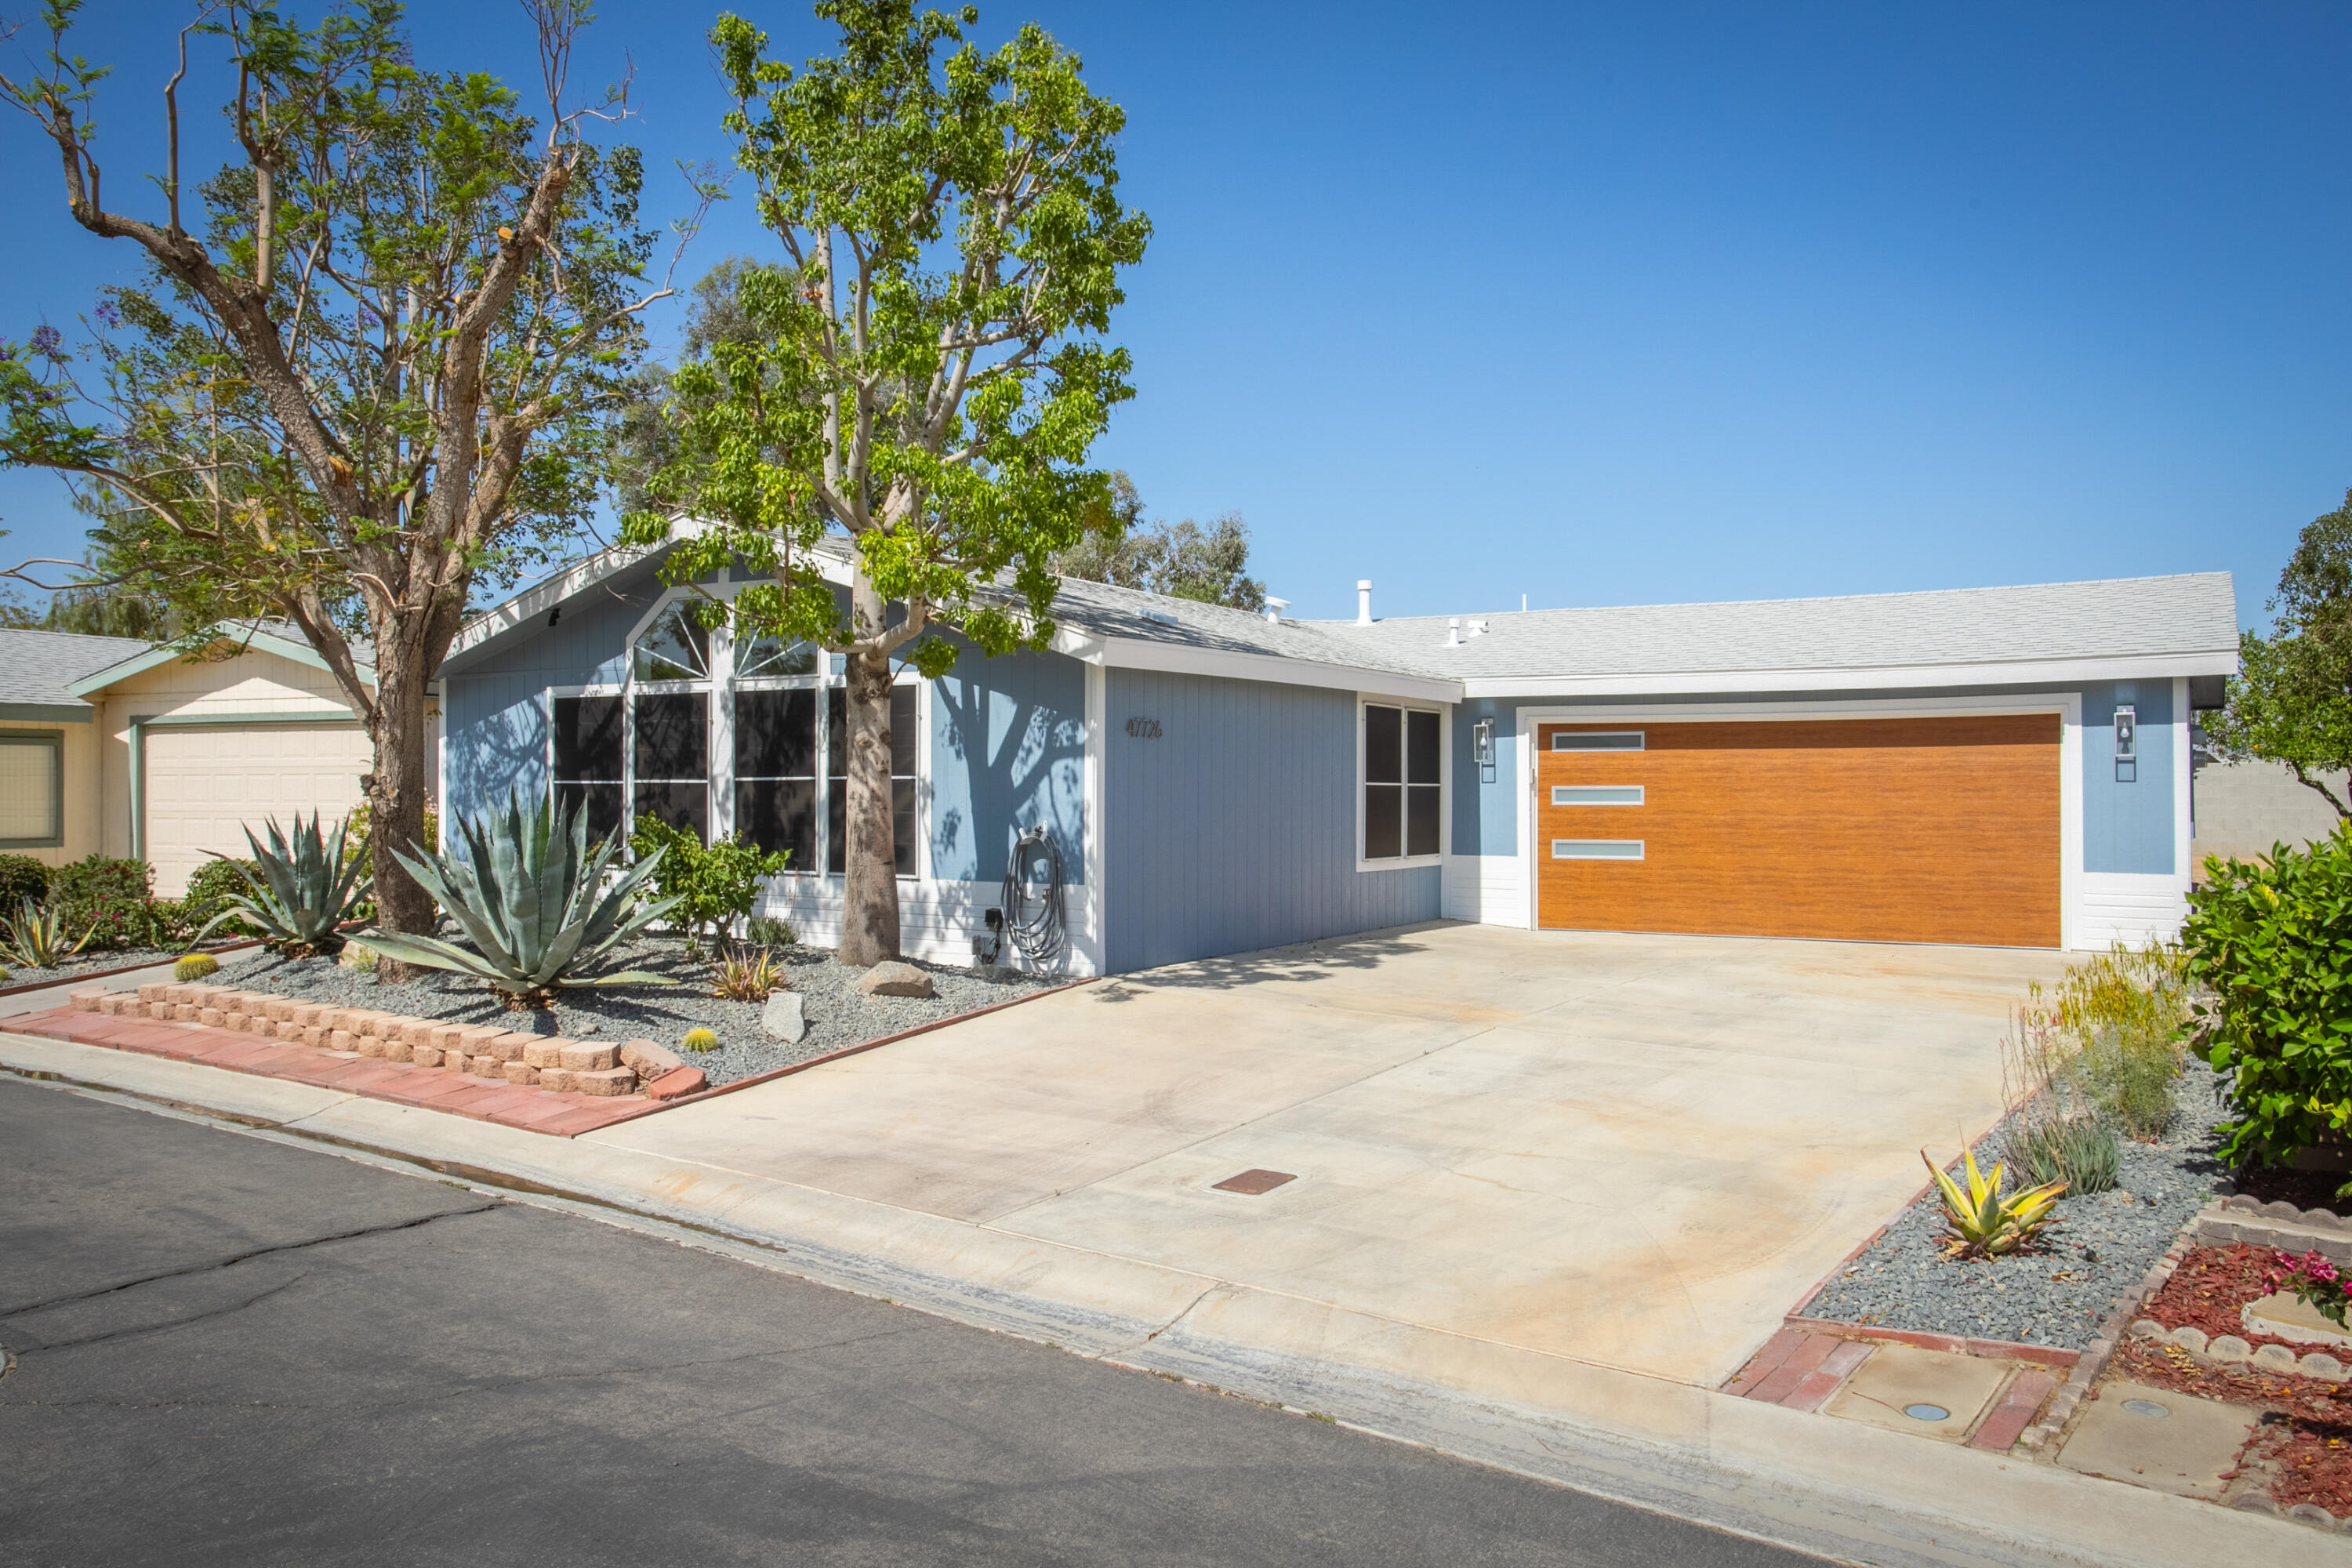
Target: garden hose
{"type": "Point", "coordinates": [1033, 915]}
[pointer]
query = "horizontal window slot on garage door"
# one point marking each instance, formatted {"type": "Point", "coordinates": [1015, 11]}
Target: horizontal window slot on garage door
{"type": "Point", "coordinates": [1596, 795]}
{"type": "Point", "coordinates": [1597, 740]}
{"type": "Point", "coordinates": [1596, 849]}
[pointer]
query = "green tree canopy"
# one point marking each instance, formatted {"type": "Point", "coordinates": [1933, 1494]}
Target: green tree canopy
{"type": "Point", "coordinates": [1182, 559]}
{"type": "Point", "coordinates": [925, 374]}
{"type": "Point", "coordinates": [2290, 700]}
{"type": "Point", "coordinates": [375, 362]}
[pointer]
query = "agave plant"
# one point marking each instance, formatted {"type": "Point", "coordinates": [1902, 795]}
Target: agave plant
{"type": "Point", "coordinates": [36, 937]}
{"type": "Point", "coordinates": [1983, 1222]}
{"type": "Point", "coordinates": [747, 975]}
{"type": "Point", "coordinates": [531, 893]}
{"type": "Point", "coordinates": [298, 891]}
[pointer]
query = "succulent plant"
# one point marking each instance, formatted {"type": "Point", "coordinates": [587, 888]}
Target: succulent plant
{"type": "Point", "coordinates": [195, 966]}
{"type": "Point", "coordinates": [36, 937]}
{"type": "Point", "coordinates": [530, 893]}
{"type": "Point", "coordinates": [300, 891]}
{"type": "Point", "coordinates": [1984, 1223]}
{"type": "Point", "coordinates": [747, 974]}
{"type": "Point", "coordinates": [700, 1040]}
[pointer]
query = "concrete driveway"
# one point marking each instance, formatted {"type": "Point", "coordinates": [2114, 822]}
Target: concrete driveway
{"type": "Point", "coordinates": [1635, 1151]}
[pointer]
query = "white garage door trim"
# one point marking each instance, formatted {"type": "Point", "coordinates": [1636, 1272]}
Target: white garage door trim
{"type": "Point", "coordinates": [318, 718]}
{"type": "Point", "coordinates": [2067, 705]}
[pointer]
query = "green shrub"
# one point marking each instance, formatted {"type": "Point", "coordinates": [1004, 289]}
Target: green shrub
{"type": "Point", "coordinates": [210, 888]}
{"type": "Point", "coordinates": [765, 931]}
{"type": "Point", "coordinates": [2084, 1154]}
{"type": "Point", "coordinates": [715, 885]}
{"type": "Point", "coordinates": [22, 877]}
{"type": "Point", "coordinates": [2273, 942]}
{"type": "Point", "coordinates": [2126, 1079]}
{"type": "Point", "coordinates": [106, 897]}
{"type": "Point", "coordinates": [195, 966]}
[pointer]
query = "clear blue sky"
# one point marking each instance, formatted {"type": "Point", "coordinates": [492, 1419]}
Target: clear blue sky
{"type": "Point", "coordinates": [1622, 304]}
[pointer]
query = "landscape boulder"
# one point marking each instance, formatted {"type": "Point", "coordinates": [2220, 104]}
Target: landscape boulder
{"type": "Point", "coordinates": [896, 979]}
{"type": "Point", "coordinates": [784, 1017]}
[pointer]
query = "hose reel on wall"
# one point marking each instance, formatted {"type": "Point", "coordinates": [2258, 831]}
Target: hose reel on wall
{"type": "Point", "coordinates": [1030, 915]}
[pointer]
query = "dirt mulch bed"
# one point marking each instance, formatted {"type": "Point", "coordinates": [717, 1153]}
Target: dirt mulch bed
{"type": "Point", "coordinates": [2303, 1452]}
{"type": "Point", "coordinates": [2303, 1189]}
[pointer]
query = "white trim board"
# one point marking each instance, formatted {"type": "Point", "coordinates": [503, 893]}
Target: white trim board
{"type": "Point", "coordinates": [2023, 672]}
{"type": "Point", "coordinates": [2067, 705]}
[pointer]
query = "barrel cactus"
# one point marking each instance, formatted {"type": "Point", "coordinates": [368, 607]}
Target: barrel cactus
{"type": "Point", "coordinates": [700, 1040]}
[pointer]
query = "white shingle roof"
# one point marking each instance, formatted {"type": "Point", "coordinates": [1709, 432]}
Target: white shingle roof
{"type": "Point", "coordinates": [2118, 618]}
{"type": "Point", "coordinates": [39, 667]}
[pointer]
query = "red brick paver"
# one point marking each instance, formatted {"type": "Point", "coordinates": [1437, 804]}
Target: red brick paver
{"type": "Point", "coordinates": [2001, 1430]}
{"type": "Point", "coordinates": [561, 1113]}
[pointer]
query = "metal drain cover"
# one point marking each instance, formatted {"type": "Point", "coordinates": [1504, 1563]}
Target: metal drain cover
{"type": "Point", "coordinates": [1252, 1183]}
{"type": "Point", "coordinates": [2147, 1407]}
{"type": "Point", "coordinates": [1926, 1412]}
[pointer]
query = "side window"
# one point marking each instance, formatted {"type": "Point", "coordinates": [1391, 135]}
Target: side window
{"type": "Point", "coordinates": [588, 758]}
{"type": "Point", "coordinates": [1403, 799]}
{"type": "Point", "coordinates": [775, 772]}
{"type": "Point", "coordinates": [902, 778]}
{"type": "Point", "coordinates": [673, 759]}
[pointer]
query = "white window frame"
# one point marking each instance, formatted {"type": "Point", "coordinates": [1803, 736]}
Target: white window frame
{"type": "Point", "coordinates": [54, 742]}
{"type": "Point", "coordinates": [1641, 739]}
{"type": "Point", "coordinates": [719, 691]}
{"type": "Point", "coordinates": [1444, 712]}
{"type": "Point", "coordinates": [1641, 798]}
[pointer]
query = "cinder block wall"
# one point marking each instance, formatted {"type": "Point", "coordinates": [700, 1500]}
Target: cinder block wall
{"type": "Point", "coordinates": [2242, 808]}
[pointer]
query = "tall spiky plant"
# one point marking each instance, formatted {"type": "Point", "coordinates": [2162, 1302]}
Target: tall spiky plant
{"type": "Point", "coordinates": [299, 890]}
{"type": "Point", "coordinates": [530, 893]}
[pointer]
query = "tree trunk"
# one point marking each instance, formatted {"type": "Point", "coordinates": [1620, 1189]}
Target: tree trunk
{"type": "Point", "coordinates": [869, 913]}
{"type": "Point", "coordinates": [397, 791]}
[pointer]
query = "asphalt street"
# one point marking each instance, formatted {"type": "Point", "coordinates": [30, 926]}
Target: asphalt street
{"type": "Point", "coordinates": [230, 1350]}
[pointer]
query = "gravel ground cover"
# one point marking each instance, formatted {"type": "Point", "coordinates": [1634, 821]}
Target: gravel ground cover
{"type": "Point", "coordinates": [2100, 1246]}
{"type": "Point", "coordinates": [837, 1013]}
{"type": "Point", "coordinates": [118, 958]}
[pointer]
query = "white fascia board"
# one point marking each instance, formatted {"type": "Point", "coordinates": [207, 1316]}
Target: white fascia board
{"type": "Point", "coordinates": [2021, 672]}
{"type": "Point", "coordinates": [253, 640]}
{"type": "Point", "coordinates": [532, 603]}
{"type": "Point", "coordinates": [1181, 658]}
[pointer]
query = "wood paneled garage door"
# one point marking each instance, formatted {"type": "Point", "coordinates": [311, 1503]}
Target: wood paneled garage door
{"type": "Point", "coordinates": [1939, 830]}
{"type": "Point", "coordinates": [205, 783]}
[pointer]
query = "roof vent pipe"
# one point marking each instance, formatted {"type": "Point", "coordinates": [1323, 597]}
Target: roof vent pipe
{"type": "Point", "coordinates": [1364, 601]}
{"type": "Point", "coordinates": [1274, 608]}
{"type": "Point", "coordinates": [1454, 632]}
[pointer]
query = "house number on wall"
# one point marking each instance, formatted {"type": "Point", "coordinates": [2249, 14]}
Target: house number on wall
{"type": "Point", "coordinates": [1144, 729]}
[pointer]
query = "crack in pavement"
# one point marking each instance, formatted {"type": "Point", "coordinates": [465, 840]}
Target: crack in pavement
{"type": "Point", "coordinates": [138, 1329]}
{"type": "Point", "coordinates": [235, 1258]}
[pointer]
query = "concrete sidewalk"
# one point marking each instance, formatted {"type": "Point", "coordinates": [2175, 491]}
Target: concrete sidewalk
{"type": "Point", "coordinates": [1842, 1489]}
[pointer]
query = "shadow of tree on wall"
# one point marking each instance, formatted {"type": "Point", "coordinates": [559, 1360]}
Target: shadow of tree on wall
{"type": "Point", "coordinates": [1301, 963]}
{"type": "Point", "coordinates": [506, 750]}
{"type": "Point", "coordinates": [1033, 775]}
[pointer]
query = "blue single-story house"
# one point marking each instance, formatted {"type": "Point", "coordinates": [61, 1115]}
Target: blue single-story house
{"type": "Point", "coordinates": [2006, 766]}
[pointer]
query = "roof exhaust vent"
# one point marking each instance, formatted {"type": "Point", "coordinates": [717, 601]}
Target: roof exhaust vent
{"type": "Point", "coordinates": [1454, 632]}
{"type": "Point", "coordinates": [1477, 628]}
{"type": "Point", "coordinates": [1274, 608]}
{"type": "Point", "coordinates": [1364, 601]}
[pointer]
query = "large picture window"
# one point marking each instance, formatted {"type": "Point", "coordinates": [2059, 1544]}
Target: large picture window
{"type": "Point", "coordinates": [1403, 787]}
{"type": "Point", "coordinates": [725, 737]}
{"type": "Point", "coordinates": [32, 791]}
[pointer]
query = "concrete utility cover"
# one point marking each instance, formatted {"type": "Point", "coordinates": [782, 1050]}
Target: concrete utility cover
{"type": "Point", "coordinates": [2184, 1451]}
{"type": "Point", "coordinates": [1899, 1379]}
{"type": "Point", "coordinates": [1635, 1151]}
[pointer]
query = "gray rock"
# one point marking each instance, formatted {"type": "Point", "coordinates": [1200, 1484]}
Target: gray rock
{"type": "Point", "coordinates": [2230, 1347]}
{"type": "Point", "coordinates": [2274, 1358]}
{"type": "Point", "coordinates": [895, 980]}
{"type": "Point", "coordinates": [784, 1018]}
{"type": "Point", "coordinates": [2322, 1366]}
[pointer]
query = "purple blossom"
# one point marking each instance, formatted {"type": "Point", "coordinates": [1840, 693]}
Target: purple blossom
{"type": "Point", "coordinates": [109, 314]}
{"type": "Point", "coordinates": [46, 340]}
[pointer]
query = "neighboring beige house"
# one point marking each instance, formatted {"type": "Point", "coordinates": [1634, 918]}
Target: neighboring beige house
{"type": "Point", "coordinates": [171, 755]}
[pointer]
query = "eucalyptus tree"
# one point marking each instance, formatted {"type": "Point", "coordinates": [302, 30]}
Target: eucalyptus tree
{"type": "Point", "coordinates": [2290, 700]}
{"type": "Point", "coordinates": [374, 364]}
{"type": "Point", "coordinates": [926, 370]}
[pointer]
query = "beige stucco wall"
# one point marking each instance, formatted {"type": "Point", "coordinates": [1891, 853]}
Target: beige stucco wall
{"type": "Point", "coordinates": [2242, 808]}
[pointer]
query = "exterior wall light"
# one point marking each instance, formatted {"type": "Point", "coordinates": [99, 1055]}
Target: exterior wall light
{"type": "Point", "coordinates": [2126, 745]}
{"type": "Point", "coordinates": [1482, 742]}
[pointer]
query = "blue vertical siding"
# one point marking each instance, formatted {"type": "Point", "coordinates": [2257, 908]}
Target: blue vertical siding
{"type": "Point", "coordinates": [1008, 753]}
{"type": "Point", "coordinates": [1235, 829]}
{"type": "Point", "coordinates": [2127, 826]}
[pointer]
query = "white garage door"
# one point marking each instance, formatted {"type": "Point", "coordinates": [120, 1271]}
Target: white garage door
{"type": "Point", "coordinates": [206, 783]}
